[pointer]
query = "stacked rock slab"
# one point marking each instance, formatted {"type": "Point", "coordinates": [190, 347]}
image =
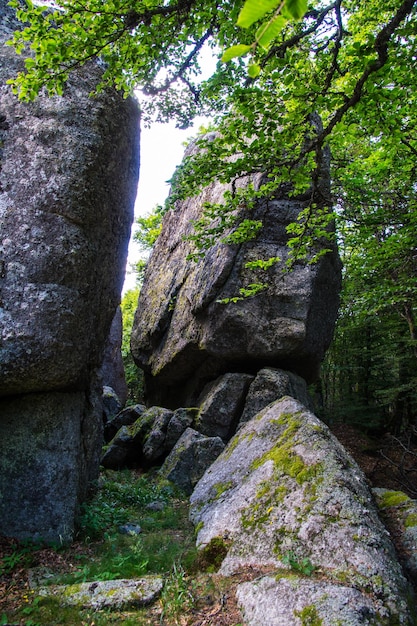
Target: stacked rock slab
{"type": "Point", "coordinates": [184, 336]}
{"type": "Point", "coordinates": [68, 176]}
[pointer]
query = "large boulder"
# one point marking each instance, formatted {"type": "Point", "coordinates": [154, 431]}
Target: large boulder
{"type": "Point", "coordinates": [191, 456]}
{"type": "Point", "coordinates": [221, 404]}
{"type": "Point", "coordinates": [184, 336]}
{"type": "Point", "coordinates": [285, 495]}
{"type": "Point", "coordinates": [272, 384]}
{"type": "Point", "coordinates": [68, 177]}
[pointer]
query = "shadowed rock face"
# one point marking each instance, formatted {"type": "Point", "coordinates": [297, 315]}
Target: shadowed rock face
{"type": "Point", "coordinates": [68, 176]}
{"type": "Point", "coordinates": [67, 181]}
{"type": "Point", "coordinates": [183, 336]}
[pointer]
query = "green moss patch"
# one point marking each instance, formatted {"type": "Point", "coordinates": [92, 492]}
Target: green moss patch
{"type": "Point", "coordinates": [393, 498]}
{"type": "Point", "coordinates": [309, 616]}
{"type": "Point", "coordinates": [212, 555]}
{"type": "Point", "coordinates": [284, 457]}
{"type": "Point", "coordinates": [410, 520]}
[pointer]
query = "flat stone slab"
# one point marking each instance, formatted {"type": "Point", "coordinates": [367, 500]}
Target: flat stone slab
{"type": "Point", "coordinates": [110, 594]}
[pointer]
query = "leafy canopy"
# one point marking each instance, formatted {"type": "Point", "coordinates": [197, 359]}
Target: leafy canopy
{"type": "Point", "coordinates": [294, 79]}
{"type": "Point", "coordinates": [297, 78]}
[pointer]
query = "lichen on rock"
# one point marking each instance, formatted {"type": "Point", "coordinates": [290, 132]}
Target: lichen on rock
{"type": "Point", "coordinates": [293, 497]}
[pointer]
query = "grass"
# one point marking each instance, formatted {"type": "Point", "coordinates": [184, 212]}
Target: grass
{"type": "Point", "coordinates": [166, 538]}
{"type": "Point", "coordinates": [165, 545]}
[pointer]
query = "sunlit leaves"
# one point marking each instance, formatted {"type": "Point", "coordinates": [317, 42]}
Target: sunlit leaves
{"type": "Point", "coordinates": [235, 51]}
{"type": "Point", "coordinates": [245, 292]}
{"type": "Point", "coordinates": [262, 264]}
{"type": "Point", "coordinates": [247, 230]}
{"type": "Point", "coordinates": [296, 9]}
{"type": "Point", "coordinates": [254, 10]}
{"type": "Point", "coordinates": [254, 69]}
{"type": "Point", "coordinates": [267, 32]}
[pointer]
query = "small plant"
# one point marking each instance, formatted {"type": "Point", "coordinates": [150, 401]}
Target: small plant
{"type": "Point", "coordinates": [303, 566]}
{"type": "Point", "coordinates": [176, 597]}
{"type": "Point", "coordinates": [22, 555]}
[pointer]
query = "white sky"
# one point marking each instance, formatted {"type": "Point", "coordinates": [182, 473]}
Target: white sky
{"type": "Point", "coordinates": [161, 150]}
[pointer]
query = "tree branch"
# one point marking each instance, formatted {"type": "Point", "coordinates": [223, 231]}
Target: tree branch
{"type": "Point", "coordinates": [381, 46]}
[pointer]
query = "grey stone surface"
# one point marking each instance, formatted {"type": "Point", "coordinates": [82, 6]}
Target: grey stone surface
{"type": "Point", "coordinates": [112, 370]}
{"type": "Point", "coordinates": [179, 422]}
{"type": "Point", "coordinates": [49, 453]}
{"type": "Point", "coordinates": [108, 594]}
{"type": "Point", "coordinates": [120, 451]}
{"type": "Point", "coordinates": [147, 440]}
{"type": "Point", "coordinates": [190, 458]}
{"type": "Point", "coordinates": [126, 417]}
{"type": "Point", "coordinates": [285, 491]}
{"type": "Point", "coordinates": [111, 404]}
{"type": "Point", "coordinates": [183, 336]}
{"type": "Point", "coordinates": [126, 447]}
{"type": "Point", "coordinates": [68, 181]}
{"type": "Point", "coordinates": [404, 509]}
{"type": "Point", "coordinates": [221, 404]}
{"type": "Point", "coordinates": [154, 444]}
{"type": "Point", "coordinates": [298, 601]}
{"type": "Point", "coordinates": [68, 176]}
{"type": "Point", "coordinates": [271, 384]}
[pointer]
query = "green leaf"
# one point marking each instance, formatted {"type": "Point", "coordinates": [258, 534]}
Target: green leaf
{"type": "Point", "coordinates": [296, 8]}
{"type": "Point", "coordinates": [235, 51]}
{"type": "Point", "coordinates": [254, 70]}
{"type": "Point", "coordinates": [254, 10]}
{"type": "Point", "coordinates": [267, 32]}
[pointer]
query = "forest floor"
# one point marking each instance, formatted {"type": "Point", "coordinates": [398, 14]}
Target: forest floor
{"type": "Point", "coordinates": [198, 597]}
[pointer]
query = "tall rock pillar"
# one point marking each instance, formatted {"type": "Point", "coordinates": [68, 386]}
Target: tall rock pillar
{"type": "Point", "coordinates": [68, 177]}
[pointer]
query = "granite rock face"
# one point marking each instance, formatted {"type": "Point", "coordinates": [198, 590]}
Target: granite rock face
{"type": "Point", "coordinates": [221, 405]}
{"type": "Point", "coordinates": [190, 458]}
{"type": "Point", "coordinates": [271, 384]}
{"type": "Point", "coordinates": [183, 337]}
{"type": "Point", "coordinates": [112, 370]}
{"type": "Point", "coordinates": [285, 495]}
{"type": "Point", "coordinates": [68, 176]}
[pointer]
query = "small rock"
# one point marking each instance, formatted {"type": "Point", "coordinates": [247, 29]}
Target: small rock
{"type": "Point", "coordinates": [111, 594]}
{"type": "Point", "coordinates": [221, 403]}
{"type": "Point", "coordinates": [128, 416]}
{"type": "Point", "coordinates": [157, 505]}
{"type": "Point", "coordinates": [111, 403]}
{"type": "Point", "coordinates": [190, 458]}
{"type": "Point", "coordinates": [130, 529]}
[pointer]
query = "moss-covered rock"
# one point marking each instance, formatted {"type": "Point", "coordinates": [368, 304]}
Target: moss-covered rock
{"type": "Point", "coordinates": [110, 594]}
{"type": "Point", "coordinates": [405, 511]}
{"type": "Point", "coordinates": [285, 494]}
